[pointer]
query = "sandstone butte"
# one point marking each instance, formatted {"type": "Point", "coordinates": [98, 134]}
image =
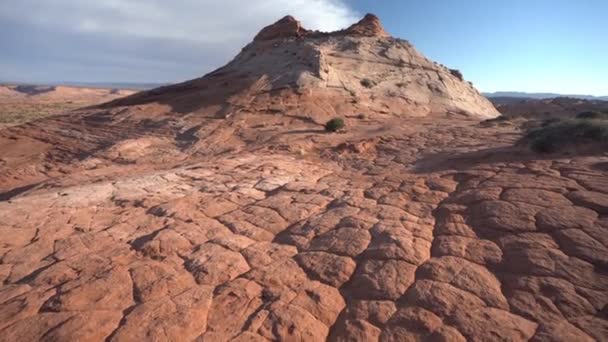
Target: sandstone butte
{"type": "Point", "coordinates": [218, 209]}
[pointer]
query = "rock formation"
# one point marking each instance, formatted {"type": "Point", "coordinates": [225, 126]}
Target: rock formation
{"type": "Point", "coordinates": [357, 69]}
{"type": "Point", "coordinates": [219, 209]}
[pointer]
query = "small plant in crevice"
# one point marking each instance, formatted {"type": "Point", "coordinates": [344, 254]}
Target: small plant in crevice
{"type": "Point", "coordinates": [367, 83]}
{"type": "Point", "coordinates": [457, 74]}
{"type": "Point", "coordinates": [334, 125]}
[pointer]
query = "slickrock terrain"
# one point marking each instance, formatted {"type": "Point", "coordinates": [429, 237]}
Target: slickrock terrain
{"type": "Point", "coordinates": [219, 209]}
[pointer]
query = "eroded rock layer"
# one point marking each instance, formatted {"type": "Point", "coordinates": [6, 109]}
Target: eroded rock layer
{"type": "Point", "coordinates": [241, 219]}
{"type": "Point", "coordinates": [360, 68]}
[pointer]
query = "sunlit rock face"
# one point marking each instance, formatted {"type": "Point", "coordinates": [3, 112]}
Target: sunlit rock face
{"type": "Point", "coordinates": [220, 209]}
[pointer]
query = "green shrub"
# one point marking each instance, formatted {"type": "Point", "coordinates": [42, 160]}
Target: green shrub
{"type": "Point", "coordinates": [457, 73]}
{"type": "Point", "coordinates": [367, 83]}
{"type": "Point", "coordinates": [592, 114]}
{"type": "Point", "coordinates": [568, 134]}
{"type": "Point", "coordinates": [334, 125]}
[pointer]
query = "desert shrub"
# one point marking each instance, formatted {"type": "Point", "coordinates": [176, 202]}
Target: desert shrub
{"type": "Point", "coordinates": [457, 73]}
{"type": "Point", "coordinates": [496, 120]}
{"type": "Point", "coordinates": [550, 121]}
{"type": "Point", "coordinates": [592, 114]}
{"type": "Point", "coordinates": [568, 134]}
{"type": "Point", "coordinates": [367, 83]}
{"type": "Point", "coordinates": [334, 125]}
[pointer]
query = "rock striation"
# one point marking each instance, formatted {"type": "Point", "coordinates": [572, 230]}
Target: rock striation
{"type": "Point", "coordinates": [220, 210]}
{"type": "Point", "coordinates": [358, 69]}
{"type": "Point", "coordinates": [369, 26]}
{"type": "Point", "coordinates": [288, 27]}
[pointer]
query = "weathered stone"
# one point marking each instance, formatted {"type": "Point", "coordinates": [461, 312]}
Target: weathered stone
{"type": "Point", "coordinates": [218, 210]}
{"type": "Point", "coordinates": [212, 264]}
{"type": "Point", "coordinates": [326, 267]}
{"type": "Point", "coordinates": [381, 279]}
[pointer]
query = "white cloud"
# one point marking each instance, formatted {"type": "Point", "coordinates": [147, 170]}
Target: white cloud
{"type": "Point", "coordinates": [205, 21]}
{"type": "Point", "coordinates": [142, 40]}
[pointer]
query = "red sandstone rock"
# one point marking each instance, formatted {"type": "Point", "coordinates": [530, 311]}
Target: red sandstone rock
{"type": "Point", "coordinates": [369, 26]}
{"type": "Point", "coordinates": [288, 27]}
{"type": "Point", "coordinates": [219, 209]}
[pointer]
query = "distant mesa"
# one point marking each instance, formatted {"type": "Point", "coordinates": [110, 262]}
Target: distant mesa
{"type": "Point", "coordinates": [523, 95]}
{"type": "Point", "coordinates": [33, 89]}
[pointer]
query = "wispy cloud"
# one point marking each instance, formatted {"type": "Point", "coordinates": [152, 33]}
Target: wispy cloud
{"type": "Point", "coordinates": [142, 40]}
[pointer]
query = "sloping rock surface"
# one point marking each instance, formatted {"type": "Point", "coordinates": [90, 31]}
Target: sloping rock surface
{"type": "Point", "coordinates": [180, 214]}
{"type": "Point", "coordinates": [360, 68]}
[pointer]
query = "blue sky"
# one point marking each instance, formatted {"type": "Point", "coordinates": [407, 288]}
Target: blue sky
{"type": "Point", "coordinates": [535, 45]}
{"type": "Point", "coordinates": [515, 45]}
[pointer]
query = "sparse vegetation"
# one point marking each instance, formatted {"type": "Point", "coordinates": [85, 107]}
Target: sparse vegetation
{"type": "Point", "coordinates": [496, 120]}
{"type": "Point", "coordinates": [39, 102]}
{"type": "Point", "coordinates": [573, 134]}
{"type": "Point", "coordinates": [367, 83]}
{"type": "Point", "coordinates": [457, 73]}
{"type": "Point", "coordinates": [14, 113]}
{"type": "Point", "coordinates": [334, 125]}
{"type": "Point", "coordinates": [592, 115]}
{"type": "Point", "coordinates": [550, 121]}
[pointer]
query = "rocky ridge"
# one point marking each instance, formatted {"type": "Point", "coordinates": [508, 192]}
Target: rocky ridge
{"type": "Point", "coordinates": [289, 27]}
{"type": "Point", "coordinates": [359, 69]}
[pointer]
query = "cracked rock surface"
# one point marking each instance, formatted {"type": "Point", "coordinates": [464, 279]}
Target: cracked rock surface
{"type": "Point", "coordinates": [158, 222]}
{"type": "Point", "coordinates": [418, 240]}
